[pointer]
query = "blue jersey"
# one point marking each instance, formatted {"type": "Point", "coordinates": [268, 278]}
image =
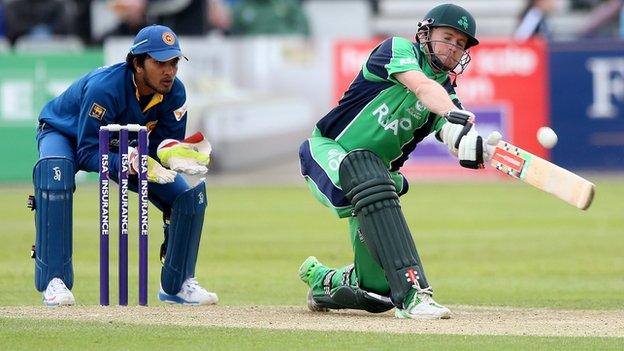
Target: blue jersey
{"type": "Point", "coordinates": [108, 95]}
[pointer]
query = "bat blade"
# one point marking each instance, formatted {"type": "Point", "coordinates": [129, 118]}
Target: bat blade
{"type": "Point", "coordinates": [544, 175]}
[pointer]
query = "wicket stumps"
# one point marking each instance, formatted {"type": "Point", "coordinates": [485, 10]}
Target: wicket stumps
{"type": "Point", "coordinates": [124, 164]}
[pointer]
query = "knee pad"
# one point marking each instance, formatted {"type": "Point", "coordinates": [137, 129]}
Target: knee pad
{"type": "Point", "coordinates": [184, 234]}
{"type": "Point", "coordinates": [367, 184]}
{"type": "Point", "coordinates": [53, 180]}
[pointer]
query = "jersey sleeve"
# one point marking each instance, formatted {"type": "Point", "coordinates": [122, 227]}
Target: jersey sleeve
{"type": "Point", "coordinates": [172, 120]}
{"type": "Point", "coordinates": [393, 55]}
{"type": "Point", "coordinates": [98, 107]}
{"type": "Point", "coordinates": [403, 57]}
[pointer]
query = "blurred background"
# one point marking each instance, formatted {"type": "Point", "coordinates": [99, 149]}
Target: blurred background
{"type": "Point", "coordinates": [262, 72]}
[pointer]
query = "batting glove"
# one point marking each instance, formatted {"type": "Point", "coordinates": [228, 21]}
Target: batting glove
{"type": "Point", "coordinates": [458, 124]}
{"type": "Point", "coordinates": [473, 152]}
{"type": "Point", "coordinates": [190, 156]}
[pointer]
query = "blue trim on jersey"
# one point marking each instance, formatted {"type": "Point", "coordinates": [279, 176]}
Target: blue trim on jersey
{"type": "Point", "coordinates": [379, 58]}
{"type": "Point", "coordinates": [422, 132]}
{"type": "Point", "coordinates": [406, 150]}
{"type": "Point", "coordinates": [360, 93]}
{"type": "Point", "coordinates": [311, 169]}
{"type": "Point", "coordinates": [405, 187]}
{"type": "Point", "coordinates": [450, 89]}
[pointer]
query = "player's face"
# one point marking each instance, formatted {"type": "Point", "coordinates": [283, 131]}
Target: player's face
{"type": "Point", "coordinates": [448, 45]}
{"type": "Point", "coordinates": [156, 76]}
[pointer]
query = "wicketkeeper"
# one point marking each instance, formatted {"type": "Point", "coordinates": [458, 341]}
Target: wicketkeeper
{"type": "Point", "coordinates": [143, 90]}
{"type": "Point", "coordinates": [404, 92]}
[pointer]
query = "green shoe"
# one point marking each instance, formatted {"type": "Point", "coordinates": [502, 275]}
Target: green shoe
{"type": "Point", "coordinates": [313, 305]}
{"type": "Point", "coordinates": [306, 271]}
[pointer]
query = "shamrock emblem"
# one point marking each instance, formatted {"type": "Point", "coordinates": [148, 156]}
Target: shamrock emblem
{"type": "Point", "coordinates": [463, 21]}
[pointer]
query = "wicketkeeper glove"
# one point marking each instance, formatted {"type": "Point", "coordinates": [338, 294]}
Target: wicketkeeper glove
{"type": "Point", "coordinates": [190, 156]}
{"type": "Point", "coordinates": [156, 173]}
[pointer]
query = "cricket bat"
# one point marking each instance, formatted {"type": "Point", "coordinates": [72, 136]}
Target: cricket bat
{"type": "Point", "coordinates": [544, 175]}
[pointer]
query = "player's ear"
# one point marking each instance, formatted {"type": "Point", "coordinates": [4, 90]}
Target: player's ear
{"type": "Point", "coordinates": [136, 64]}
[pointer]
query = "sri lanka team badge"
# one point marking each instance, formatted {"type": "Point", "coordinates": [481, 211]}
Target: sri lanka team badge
{"type": "Point", "coordinates": [97, 111]}
{"type": "Point", "coordinates": [179, 113]}
{"type": "Point", "coordinates": [168, 38]}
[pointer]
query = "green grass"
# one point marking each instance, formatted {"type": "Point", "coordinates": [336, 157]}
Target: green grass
{"type": "Point", "coordinates": [503, 244]}
{"type": "Point", "coordinates": [64, 335]}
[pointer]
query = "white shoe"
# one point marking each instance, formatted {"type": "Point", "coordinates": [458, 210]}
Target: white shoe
{"type": "Point", "coordinates": [423, 306]}
{"type": "Point", "coordinates": [57, 294]}
{"type": "Point", "coordinates": [191, 293]}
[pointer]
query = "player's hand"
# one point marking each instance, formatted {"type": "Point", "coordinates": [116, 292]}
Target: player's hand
{"type": "Point", "coordinates": [156, 173]}
{"type": "Point", "coordinates": [459, 123]}
{"type": "Point", "coordinates": [473, 152]}
{"type": "Point", "coordinates": [190, 156]}
{"type": "Point", "coordinates": [490, 144]}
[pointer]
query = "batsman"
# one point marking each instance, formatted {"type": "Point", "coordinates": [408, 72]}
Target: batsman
{"type": "Point", "coordinates": [404, 92]}
{"type": "Point", "coordinates": [142, 90]}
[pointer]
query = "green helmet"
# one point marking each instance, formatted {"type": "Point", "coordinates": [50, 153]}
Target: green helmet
{"type": "Point", "coordinates": [449, 15]}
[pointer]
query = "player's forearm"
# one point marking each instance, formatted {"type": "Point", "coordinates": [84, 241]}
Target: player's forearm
{"type": "Point", "coordinates": [434, 97]}
{"type": "Point", "coordinates": [428, 91]}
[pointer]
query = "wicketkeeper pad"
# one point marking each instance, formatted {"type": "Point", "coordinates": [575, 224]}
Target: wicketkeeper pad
{"type": "Point", "coordinates": [367, 184]}
{"type": "Point", "coordinates": [53, 179]}
{"type": "Point", "coordinates": [187, 220]}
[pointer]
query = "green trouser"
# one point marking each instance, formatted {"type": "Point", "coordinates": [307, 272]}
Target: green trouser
{"type": "Point", "coordinates": [320, 159]}
{"type": "Point", "coordinates": [365, 273]}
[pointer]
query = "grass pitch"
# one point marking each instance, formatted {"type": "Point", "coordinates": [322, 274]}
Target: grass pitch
{"type": "Point", "coordinates": [489, 244]}
{"type": "Point", "coordinates": [64, 335]}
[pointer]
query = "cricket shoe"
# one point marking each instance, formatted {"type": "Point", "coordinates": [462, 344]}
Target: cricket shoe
{"type": "Point", "coordinates": [57, 294]}
{"type": "Point", "coordinates": [191, 293]}
{"type": "Point", "coordinates": [306, 271]}
{"type": "Point", "coordinates": [423, 306]}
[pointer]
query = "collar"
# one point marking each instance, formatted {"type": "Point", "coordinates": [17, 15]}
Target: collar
{"type": "Point", "coordinates": [156, 98]}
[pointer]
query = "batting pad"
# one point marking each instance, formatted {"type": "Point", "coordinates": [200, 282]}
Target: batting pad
{"type": "Point", "coordinates": [367, 184]}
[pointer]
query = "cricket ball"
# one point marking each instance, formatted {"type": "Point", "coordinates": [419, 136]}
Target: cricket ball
{"type": "Point", "coordinates": [547, 137]}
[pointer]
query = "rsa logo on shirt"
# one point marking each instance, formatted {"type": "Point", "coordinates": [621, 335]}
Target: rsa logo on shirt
{"type": "Point", "coordinates": [408, 61]}
{"type": "Point", "coordinates": [97, 111]}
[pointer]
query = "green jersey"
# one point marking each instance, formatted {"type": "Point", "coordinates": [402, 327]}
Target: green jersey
{"type": "Point", "coordinates": [379, 113]}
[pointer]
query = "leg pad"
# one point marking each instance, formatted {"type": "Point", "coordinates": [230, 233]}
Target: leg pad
{"type": "Point", "coordinates": [367, 184]}
{"type": "Point", "coordinates": [53, 180]}
{"type": "Point", "coordinates": [187, 220]}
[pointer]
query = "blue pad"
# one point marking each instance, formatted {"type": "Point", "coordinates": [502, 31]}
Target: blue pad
{"type": "Point", "coordinates": [53, 179]}
{"type": "Point", "coordinates": [187, 220]}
